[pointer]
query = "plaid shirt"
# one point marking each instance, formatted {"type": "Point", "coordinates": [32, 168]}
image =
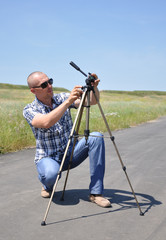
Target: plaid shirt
{"type": "Point", "coordinates": [50, 142]}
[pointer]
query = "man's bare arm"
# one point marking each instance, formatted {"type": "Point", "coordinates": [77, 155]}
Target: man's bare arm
{"type": "Point", "coordinates": [49, 119]}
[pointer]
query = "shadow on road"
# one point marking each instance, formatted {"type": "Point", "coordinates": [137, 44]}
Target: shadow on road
{"type": "Point", "coordinates": [123, 199]}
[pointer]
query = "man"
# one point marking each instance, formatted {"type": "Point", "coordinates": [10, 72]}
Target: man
{"type": "Point", "coordinates": [49, 117]}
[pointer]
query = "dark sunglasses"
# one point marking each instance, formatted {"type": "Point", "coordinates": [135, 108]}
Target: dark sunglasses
{"type": "Point", "coordinates": [45, 84]}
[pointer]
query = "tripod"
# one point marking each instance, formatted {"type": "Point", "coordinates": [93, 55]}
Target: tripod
{"type": "Point", "coordinates": [74, 134]}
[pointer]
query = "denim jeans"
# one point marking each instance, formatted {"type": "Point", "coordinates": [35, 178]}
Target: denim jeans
{"type": "Point", "coordinates": [94, 148]}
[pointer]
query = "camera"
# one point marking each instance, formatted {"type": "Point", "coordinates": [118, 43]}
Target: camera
{"type": "Point", "coordinates": [90, 79]}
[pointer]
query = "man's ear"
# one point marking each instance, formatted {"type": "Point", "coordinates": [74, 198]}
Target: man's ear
{"type": "Point", "coordinates": [33, 90]}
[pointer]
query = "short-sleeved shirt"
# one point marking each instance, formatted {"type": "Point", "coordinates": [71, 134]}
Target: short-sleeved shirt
{"type": "Point", "coordinates": [50, 142]}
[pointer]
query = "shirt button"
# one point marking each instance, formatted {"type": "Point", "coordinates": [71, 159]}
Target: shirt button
{"type": "Point", "coordinates": [56, 133]}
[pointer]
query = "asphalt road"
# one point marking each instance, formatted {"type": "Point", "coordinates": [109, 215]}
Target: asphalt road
{"type": "Point", "coordinates": [143, 152]}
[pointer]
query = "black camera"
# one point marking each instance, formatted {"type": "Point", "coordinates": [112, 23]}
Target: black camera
{"type": "Point", "coordinates": [90, 79]}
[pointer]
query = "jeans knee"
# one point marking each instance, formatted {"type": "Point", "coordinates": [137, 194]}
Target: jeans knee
{"type": "Point", "coordinates": [49, 179]}
{"type": "Point", "coordinates": [98, 134]}
{"type": "Point", "coordinates": [98, 137]}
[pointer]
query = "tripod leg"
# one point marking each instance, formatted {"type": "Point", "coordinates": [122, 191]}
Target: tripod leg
{"type": "Point", "coordinates": [43, 223]}
{"type": "Point", "coordinates": [113, 140]}
{"type": "Point", "coordinates": [87, 131]}
{"type": "Point", "coordinates": [71, 157]}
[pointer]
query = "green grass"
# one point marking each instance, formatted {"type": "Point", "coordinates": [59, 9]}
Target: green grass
{"type": "Point", "coordinates": [14, 131]}
{"type": "Point", "coordinates": [16, 87]}
{"type": "Point", "coordinates": [122, 110]}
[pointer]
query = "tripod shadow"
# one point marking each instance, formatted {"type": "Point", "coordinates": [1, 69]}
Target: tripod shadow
{"type": "Point", "coordinates": [123, 199]}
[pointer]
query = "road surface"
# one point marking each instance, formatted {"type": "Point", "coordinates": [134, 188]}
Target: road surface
{"type": "Point", "coordinates": [143, 152]}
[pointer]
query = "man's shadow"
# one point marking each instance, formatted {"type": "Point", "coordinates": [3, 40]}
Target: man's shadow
{"type": "Point", "coordinates": [123, 199]}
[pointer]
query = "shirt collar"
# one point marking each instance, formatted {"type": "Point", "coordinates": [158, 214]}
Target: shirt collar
{"type": "Point", "coordinates": [40, 104]}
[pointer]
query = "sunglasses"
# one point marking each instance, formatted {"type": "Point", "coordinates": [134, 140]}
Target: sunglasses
{"type": "Point", "coordinates": [45, 84]}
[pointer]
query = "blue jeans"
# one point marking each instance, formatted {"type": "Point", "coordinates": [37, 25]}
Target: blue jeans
{"type": "Point", "coordinates": [94, 148]}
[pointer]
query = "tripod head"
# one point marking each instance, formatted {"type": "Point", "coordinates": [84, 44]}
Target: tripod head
{"type": "Point", "coordinates": [89, 78]}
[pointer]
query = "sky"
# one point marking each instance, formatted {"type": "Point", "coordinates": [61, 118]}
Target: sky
{"type": "Point", "coordinates": [122, 41]}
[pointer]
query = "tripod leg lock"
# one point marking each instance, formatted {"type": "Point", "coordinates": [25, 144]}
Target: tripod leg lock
{"type": "Point", "coordinates": [70, 137]}
{"type": "Point", "coordinates": [59, 173]}
{"type": "Point", "coordinates": [112, 138]}
{"type": "Point", "coordinates": [124, 169]}
{"type": "Point", "coordinates": [86, 133]}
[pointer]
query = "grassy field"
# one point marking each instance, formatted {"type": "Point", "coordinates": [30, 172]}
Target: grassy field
{"type": "Point", "coordinates": [122, 110]}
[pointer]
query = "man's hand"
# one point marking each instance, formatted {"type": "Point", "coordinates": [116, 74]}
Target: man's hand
{"type": "Point", "coordinates": [75, 94]}
{"type": "Point", "coordinates": [96, 82]}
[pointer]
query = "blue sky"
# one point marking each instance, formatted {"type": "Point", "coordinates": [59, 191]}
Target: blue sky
{"type": "Point", "coordinates": [123, 41]}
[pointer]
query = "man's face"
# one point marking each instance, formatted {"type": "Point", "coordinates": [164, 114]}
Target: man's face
{"type": "Point", "coordinates": [42, 93]}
